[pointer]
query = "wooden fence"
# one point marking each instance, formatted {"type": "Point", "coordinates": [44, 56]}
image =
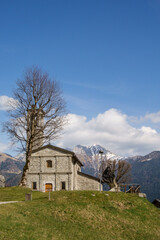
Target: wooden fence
{"type": "Point", "coordinates": [130, 188]}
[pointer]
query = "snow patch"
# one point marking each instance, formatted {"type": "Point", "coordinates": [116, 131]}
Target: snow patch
{"type": "Point", "coordinates": [146, 160]}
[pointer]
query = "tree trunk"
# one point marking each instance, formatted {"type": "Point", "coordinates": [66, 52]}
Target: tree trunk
{"type": "Point", "coordinates": [24, 175]}
{"type": "Point", "coordinates": [113, 184]}
{"type": "Point", "coordinates": [30, 143]}
{"type": "Point", "coordinates": [23, 182]}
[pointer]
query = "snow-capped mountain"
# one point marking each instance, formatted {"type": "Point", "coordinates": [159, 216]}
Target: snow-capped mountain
{"type": "Point", "coordinates": [149, 157]}
{"type": "Point", "coordinates": [94, 151]}
{"type": "Point", "coordinates": [91, 157]}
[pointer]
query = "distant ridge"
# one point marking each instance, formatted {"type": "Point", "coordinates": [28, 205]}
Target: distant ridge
{"type": "Point", "coordinates": [146, 172]}
{"type": "Point", "coordinates": [11, 168]}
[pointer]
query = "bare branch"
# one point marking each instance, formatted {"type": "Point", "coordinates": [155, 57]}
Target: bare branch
{"type": "Point", "coordinates": [39, 115]}
{"type": "Point", "coordinates": [116, 172]}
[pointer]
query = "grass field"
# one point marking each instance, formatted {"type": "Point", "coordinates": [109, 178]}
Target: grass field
{"type": "Point", "coordinates": [77, 215]}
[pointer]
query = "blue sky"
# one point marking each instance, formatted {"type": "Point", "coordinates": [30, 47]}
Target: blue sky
{"type": "Point", "coordinates": [105, 54]}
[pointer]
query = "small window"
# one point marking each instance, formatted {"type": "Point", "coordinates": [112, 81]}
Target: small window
{"type": "Point", "coordinates": [34, 185]}
{"type": "Point", "coordinates": [49, 164]}
{"type": "Point", "coordinates": [63, 185]}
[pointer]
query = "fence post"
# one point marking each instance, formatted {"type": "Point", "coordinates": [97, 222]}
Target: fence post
{"type": "Point", "coordinates": [28, 197]}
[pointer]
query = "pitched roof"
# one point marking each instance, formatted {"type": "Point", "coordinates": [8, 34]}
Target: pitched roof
{"type": "Point", "coordinates": [59, 150]}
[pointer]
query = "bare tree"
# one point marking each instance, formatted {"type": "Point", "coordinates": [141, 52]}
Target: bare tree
{"type": "Point", "coordinates": [115, 172]}
{"type": "Point", "coordinates": [38, 115]}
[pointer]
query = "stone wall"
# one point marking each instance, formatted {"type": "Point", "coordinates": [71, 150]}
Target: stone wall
{"type": "Point", "coordinates": [33, 178]}
{"type": "Point", "coordinates": [55, 179]}
{"type": "Point", "coordinates": [60, 162]}
{"type": "Point", "coordinates": [85, 182]}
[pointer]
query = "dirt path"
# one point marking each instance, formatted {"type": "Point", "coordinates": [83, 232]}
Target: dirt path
{"type": "Point", "coordinates": [8, 202]}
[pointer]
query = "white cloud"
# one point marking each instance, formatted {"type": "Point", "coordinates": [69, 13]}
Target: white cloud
{"type": "Point", "coordinates": [153, 117]}
{"type": "Point", "coordinates": [149, 117]}
{"type": "Point", "coordinates": [6, 103]}
{"type": "Point", "coordinates": [112, 130]}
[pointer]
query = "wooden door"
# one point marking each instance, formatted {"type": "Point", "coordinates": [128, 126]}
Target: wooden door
{"type": "Point", "coordinates": [48, 187]}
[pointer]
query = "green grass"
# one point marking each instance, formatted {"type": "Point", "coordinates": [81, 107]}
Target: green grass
{"type": "Point", "coordinates": [77, 215]}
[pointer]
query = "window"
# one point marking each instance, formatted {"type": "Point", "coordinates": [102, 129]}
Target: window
{"type": "Point", "coordinates": [34, 185]}
{"type": "Point", "coordinates": [49, 164]}
{"type": "Point", "coordinates": [63, 185]}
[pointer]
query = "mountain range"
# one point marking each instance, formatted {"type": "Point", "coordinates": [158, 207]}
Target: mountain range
{"type": "Point", "coordinates": [91, 157]}
{"type": "Point", "coordinates": [11, 168]}
{"type": "Point", "coordinates": [146, 172]}
{"type": "Point", "coordinates": [145, 169]}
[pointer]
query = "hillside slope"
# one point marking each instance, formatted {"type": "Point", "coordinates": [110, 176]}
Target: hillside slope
{"type": "Point", "coordinates": [145, 169]}
{"type": "Point", "coordinates": [78, 215]}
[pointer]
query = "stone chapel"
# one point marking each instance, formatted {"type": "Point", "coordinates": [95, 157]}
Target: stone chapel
{"type": "Point", "coordinates": [52, 168]}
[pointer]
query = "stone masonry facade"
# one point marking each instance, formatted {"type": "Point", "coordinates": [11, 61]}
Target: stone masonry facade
{"type": "Point", "coordinates": [52, 168]}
